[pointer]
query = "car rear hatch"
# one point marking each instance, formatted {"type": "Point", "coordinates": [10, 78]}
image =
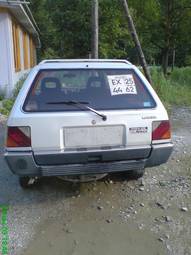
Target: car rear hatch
{"type": "Point", "coordinates": [80, 116]}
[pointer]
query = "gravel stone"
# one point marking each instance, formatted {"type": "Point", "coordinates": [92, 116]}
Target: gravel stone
{"type": "Point", "coordinates": [184, 209]}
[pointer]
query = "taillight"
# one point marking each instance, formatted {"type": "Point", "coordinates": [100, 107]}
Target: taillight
{"type": "Point", "coordinates": [18, 137]}
{"type": "Point", "coordinates": [161, 130]}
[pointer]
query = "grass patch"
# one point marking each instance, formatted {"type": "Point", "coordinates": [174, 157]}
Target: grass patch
{"type": "Point", "coordinates": [174, 89]}
{"type": "Point", "coordinates": [7, 104]}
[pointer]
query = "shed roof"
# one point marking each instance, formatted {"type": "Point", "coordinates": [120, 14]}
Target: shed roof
{"type": "Point", "coordinates": [21, 11]}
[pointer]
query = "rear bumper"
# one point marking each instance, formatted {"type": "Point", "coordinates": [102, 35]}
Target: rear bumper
{"type": "Point", "coordinates": [24, 163]}
{"type": "Point", "coordinates": [159, 155]}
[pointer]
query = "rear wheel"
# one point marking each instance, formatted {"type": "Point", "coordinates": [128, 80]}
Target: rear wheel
{"type": "Point", "coordinates": [135, 174]}
{"type": "Point", "coordinates": [27, 182]}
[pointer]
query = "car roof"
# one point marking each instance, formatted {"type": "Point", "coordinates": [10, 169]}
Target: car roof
{"type": "Point", "coordinates": [84, 63]}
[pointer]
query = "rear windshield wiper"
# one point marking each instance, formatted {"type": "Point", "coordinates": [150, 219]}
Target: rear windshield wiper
{"type": "Point", "coordinates": [81, 105]}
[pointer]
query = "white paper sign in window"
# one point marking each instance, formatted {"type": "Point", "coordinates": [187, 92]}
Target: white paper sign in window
{"type": "Point", "coordinates": [122, 84]}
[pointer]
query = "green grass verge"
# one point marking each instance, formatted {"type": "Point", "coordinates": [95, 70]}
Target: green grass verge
{"type": "Point", "coordinates": [176, 88]}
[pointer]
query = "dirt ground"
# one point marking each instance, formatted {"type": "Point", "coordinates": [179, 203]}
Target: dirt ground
{"type": "Point", "coordinates": [113, 216]}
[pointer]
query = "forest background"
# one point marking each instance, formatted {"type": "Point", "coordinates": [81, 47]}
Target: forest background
{"type": "Point", "coordinates": [163, 26]}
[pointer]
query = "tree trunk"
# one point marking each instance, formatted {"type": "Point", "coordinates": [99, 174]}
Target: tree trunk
{"type": "Point", "coordinates": [165, 61]}
{"type": "Point", "coordinates": [173, 59]}
{"type": "Point", "coordinates": [168, 32]}
{"type": "Point", "coordinates": [135, 38]}
{"type": "Point", "coordinates": [95, 29]}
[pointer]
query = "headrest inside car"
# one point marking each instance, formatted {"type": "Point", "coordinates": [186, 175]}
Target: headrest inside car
{"type": "Point", "coordinates": [50, 83]}
{"type": "Point", "coordinates": [94, 82]}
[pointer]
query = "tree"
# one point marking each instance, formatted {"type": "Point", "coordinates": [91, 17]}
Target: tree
{"type": "Point", "coordinates": [95, 29]}
{"type": "Point", "coordinates": [168, 27]}
{"type": "Point", "coordinates": [163, 26]}
{"type": "Point", "coordinates": [48, 33]}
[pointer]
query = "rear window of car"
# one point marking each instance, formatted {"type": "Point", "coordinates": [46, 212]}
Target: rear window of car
{"type": "Point", "coordinates": [101, 89]}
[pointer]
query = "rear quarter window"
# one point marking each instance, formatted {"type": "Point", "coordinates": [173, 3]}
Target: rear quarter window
{"type": "Point", "coordinates": [102, 89]}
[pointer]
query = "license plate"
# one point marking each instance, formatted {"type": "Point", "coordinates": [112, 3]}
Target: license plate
{"type": "Point", "coordinates": [92, 137]}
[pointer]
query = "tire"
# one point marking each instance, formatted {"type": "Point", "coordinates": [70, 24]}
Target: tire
{"type": "Point", "coordinates": [135, 174]}
{"type": "Point", "coordinates": [27, 182]}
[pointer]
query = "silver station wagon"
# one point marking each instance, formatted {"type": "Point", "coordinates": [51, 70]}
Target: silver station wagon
{"type": "Point", "coordinates": [85, 118]}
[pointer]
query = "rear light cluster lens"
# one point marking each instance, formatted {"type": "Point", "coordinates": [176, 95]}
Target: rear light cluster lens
{"type": "Point", "coordinates": [161, 130]}
{"type": "Point", "coordinates": [18, 137]}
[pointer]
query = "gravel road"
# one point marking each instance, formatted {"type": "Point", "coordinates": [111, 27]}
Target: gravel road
{"type": "Point", "coordinates": [113, 216]}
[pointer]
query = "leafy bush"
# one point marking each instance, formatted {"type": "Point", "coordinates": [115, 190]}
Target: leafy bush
{"type": "Point", "coordinates": [19, 85]}
{"type": "Point", "coordinates": [2, 95]}
{"type": "Point", "coordinates": [7, 106]}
